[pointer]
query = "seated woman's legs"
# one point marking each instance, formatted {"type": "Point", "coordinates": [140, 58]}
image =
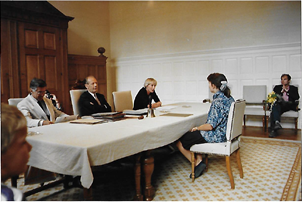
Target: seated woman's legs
{"type": "Point", "coordinates": [184, 144]}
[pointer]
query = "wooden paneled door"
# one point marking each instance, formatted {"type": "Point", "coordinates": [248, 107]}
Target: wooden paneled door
{"type": "Point", "coordinates": [81, 66]}
{"type": "Point", "coordinates": [40, 57]}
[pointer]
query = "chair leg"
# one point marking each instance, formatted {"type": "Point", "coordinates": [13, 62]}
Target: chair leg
{"type": "Point", "coordinates": [296, 124]}
{"type": "Point", "coordinates": [207, 162]}
{"type": "Point", "coordinates": [264, 123]}
{"type": "Point", "coordinates": [239, 163]}
{"type": "Point", "coordinates": [244, 120]}
{"type": "Point", "coordinates": [228, 165]}
{"type": "Point", "coordinates": [193, 165]}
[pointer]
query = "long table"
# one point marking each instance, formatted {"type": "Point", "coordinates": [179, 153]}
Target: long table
{"type": "Point", "coordinates": [71, 149]}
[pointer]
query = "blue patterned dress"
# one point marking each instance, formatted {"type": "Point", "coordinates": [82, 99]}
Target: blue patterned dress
{"type": "Point", "coordinates": [218, 118]}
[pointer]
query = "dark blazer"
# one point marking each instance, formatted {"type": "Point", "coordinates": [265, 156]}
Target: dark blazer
{"type": "Point", "coordinates": [141, 100]}
{"type": "Point", "coordinates": [88, 105]}
{"type": "Point", "coordinates": [293, 95]}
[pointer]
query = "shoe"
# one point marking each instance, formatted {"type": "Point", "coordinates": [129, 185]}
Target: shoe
{"type": "Point", "coordinates": [272, 134]}
{"type": "Point", "coordinates": [199, 169]}
{"type": "Point", "coordinates": [277, 125]}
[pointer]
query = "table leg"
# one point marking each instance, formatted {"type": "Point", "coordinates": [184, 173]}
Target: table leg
{"type": "Point", "coordinates": [137, 170]}
{"type": "Point", "coordinates": [148, 169]}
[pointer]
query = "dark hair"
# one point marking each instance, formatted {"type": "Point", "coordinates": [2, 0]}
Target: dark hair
{"type": "Point", "coordinates": [35, 83]}
{"type": "Point", "coordinates": [79, 84]}
{"type": "Point", "coordinates": [220, 81]}
{"type": "Point", "coordinates": [288, 76]}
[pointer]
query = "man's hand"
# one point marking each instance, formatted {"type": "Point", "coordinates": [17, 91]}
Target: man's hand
{"type": "Point", "coordinates": [47, 123]}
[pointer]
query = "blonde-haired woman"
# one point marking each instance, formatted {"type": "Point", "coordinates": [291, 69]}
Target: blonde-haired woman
{"type": "Point", "coordinates": [146, 95]}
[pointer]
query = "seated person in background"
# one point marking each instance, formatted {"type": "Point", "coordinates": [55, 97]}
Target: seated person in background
{"type": "Point", "coordinates": [53, 99]}
{"type": "Point", "coordinates": [90, 101]}
{"type": "Point", "coordinates": [14, 149]}
{"type": "Point", "coordinates": [146, 95]}
{"type": "Point", "coordinates": [214, 130]}
{"type": "Point", "coordinates": [37, 109]}
{"type": "Point", "coordinates": [289, 101]}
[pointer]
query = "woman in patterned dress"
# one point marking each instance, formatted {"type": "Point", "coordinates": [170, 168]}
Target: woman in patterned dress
{"type": "Point", "coordinates": [214, 130]}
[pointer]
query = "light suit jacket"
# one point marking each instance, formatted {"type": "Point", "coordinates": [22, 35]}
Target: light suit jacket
{"type": "Point", "coordinates": [34, 113]}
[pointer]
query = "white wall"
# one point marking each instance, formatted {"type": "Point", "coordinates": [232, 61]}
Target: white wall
{"type": "Point", "coordinates": [182, 76]}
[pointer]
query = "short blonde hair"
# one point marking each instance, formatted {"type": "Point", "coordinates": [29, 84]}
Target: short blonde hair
{"type": "Point", "coordinates": [12, 120]}
{"type": "Point", "coordinates": [150, 81]}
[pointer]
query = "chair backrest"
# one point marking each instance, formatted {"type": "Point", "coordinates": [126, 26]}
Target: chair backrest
{"type": "Point", "coordinates": [122, 100]}
{"type": "Point", "coordinates": [235, 119]}
{"type": "Point", "coordinates": [14, 101]}
{"type": "Point", "coordinates": [75, 96]}
{"type": "Point", "coordinates": [254, 94]}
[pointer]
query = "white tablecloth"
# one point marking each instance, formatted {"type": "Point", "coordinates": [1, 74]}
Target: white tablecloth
{"type": "Point", "coordinates": [72, 149]}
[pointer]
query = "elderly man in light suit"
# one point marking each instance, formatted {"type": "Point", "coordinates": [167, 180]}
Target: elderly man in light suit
{"type": "Point", "coordinates": [37, 109]}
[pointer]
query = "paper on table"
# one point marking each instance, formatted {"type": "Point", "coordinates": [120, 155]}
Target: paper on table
{"type": "Point", "coordinates": [87, 121]}
{"type": "Point", "coordinates": [176, 114]}
{"type": "Point", "coordinates": [66, 118]}
{"type": "Point", "coordinates": [165, 108]}
{"type": "Point", "coordinates": [105, 114]}
{"type": "Point", "coordinates": [136, 112]}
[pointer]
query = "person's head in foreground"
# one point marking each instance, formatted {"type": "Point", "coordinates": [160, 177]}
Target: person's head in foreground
{"type": "Point", "coordinates": [14, 147]}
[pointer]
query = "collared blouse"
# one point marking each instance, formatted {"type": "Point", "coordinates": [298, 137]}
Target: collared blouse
{"type": "Point", "coordinates": [218, 118]}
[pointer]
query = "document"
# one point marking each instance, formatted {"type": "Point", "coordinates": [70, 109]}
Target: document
{"type": "Point", "coordinates": [176, 114]}
{"type": "Point", "coordinates": [108, 115]}
{"type": "Point", "coordinates": [87, 121]}
{"type": "Point", "coordinates": [136, 112]}
{"type": "Point", "coordinates": [66, 118]}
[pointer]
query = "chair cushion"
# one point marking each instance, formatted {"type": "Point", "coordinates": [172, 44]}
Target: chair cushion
{"type": "Point", "coordinates": [292, 114]}
{"type": "Point", "coordinates": [257, 111]}
{"type": "Point", "coordinates": [224, 148]}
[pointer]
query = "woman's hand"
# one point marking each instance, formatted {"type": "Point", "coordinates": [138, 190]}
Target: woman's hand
{"type": "Point", "coordinates": [194, 129]}
{"type": "Point", "coordinates": [205, 127]}
{"type": "Point", "coordinates": [155, 105]}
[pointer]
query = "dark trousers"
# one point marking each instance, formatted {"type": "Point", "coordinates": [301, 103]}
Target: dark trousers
{"type": "Point", "coordinates": [277, 110]}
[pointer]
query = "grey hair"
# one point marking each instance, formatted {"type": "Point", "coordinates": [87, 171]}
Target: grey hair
{"type": "Point", "coordinates": [35, 83]}
{"type": "Point", "coordinates": [12, 120]}
{"type": "Point", "coordinates": [150, 81]}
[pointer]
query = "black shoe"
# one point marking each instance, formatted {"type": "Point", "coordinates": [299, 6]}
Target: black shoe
{"type": "Point", "coordinates": [272, 134]}
{"type": "Point", "coordinates": [199, 169]}
{"type": "Point", "coordinates": [277, 125]}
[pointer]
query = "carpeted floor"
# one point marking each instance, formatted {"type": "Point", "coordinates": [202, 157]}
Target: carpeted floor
{"type": "Point", "coordinates": [272, 172]}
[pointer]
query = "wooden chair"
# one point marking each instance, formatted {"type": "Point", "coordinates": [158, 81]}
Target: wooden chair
{"type": "Point", "coordinates": [75, 96]}
{"type": "Point", "coordinates": [255, 96]}
{"type": "Point", "coordinates": [234, 130]}
{"type": "Point", "coordinates": [122, 101]}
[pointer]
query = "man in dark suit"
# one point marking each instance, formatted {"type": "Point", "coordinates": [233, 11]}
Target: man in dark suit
{"type": "Point", "coordinates": [288, 100]}
{"type": "Point", "coordinates": [90, 101]}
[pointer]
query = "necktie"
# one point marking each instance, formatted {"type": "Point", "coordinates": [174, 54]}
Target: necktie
{"type": "Point", "coordinates": [43, 106]}
{"type": "Point", "coordinates": [285, 96]}
{"type": "Point", "coordinates": [96, 98]}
